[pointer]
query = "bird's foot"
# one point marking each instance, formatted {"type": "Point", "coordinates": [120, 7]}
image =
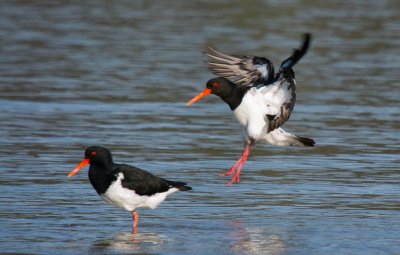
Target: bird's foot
{"type": "Point", "coordinates": [237, 167]}
{"type": "Point", "coordinates": [232, 169]}
{"type": "Point", "coordinates": [236, 175]}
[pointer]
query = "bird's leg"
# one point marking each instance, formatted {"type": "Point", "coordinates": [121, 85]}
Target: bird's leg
{"type": "Point", "coordinates": [135, 218]}
{"type": "Point", "coordinates": [242, 160]}
{"type": "Point", "coordinates": [237, 167]}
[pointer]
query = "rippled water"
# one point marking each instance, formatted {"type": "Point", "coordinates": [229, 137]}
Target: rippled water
{"type": "Point", "coordinates": [117, 74]}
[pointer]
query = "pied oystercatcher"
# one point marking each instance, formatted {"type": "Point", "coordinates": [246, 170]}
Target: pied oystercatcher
{"type": "Point", "coordinates": [260, 99]}
{"type": "Point", "coordinates": [125, 186]}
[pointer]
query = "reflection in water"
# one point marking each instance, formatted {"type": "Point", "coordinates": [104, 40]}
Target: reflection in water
{"type": "Point", "coordinates": [256, 240]}
{"type": "Point", "coordinates": [196, 239]}
{"type": "Point", "coordinates": [138, 242]}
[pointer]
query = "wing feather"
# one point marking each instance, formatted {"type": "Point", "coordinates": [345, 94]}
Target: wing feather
{"type": "Point", "coordinates": [297, 54]}
{"type": "Point", "coordinates": [245, 70]}
{"type": "Point", "coordinates": [141, 181]}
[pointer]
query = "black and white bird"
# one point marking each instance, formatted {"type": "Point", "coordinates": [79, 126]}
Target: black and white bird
{"type": "Point", "coordinates": [260, 99]}
{"type": "Point", "coordinates": [125, 186]}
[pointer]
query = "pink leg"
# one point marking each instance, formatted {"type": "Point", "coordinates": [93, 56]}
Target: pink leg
{"type": "Point", "coordinates": [237, 167]}
{"type": "Point", "coordinates": [135, 218]}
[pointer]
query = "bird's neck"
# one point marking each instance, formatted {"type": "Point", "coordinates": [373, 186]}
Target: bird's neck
{"type": "Point", "coordinates": [101, 177]}
{"type": "Point", "coordinates": [235, 97]}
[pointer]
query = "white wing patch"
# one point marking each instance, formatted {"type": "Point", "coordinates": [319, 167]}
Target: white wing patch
{"type": "Point", "coordinates": [125, 198]}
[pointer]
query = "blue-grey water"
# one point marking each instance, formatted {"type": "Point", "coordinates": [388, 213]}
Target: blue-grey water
{"type": "Point", "coordinates": [118, 74]}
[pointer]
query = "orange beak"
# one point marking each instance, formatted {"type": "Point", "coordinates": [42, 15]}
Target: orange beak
{"type": "Point", "coordinates": [83, 163]}
{"type": "Point", "coordinates": [202, 94]}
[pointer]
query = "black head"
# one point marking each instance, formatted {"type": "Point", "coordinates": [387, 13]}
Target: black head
{"type": "Point", "coordinates": [98, 155]}
{"type": "Point", "coordinates": [228, 91]}
{"type": "Point", "coordinates": [95, 156]}
{"type": "Point", "coordinates": [221, 87]}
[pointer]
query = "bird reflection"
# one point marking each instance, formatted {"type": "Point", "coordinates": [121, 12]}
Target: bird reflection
{"type": "Point", "coordinates": [255, 240]}
{"type": "Point", "coordinates": [132, 242]}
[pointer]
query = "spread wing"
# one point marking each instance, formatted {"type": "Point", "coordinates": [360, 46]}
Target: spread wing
{"type": "Point", "coordinates": [297, 54]}
{"type": "Point", "coordinates": [252, 70]}
{"type": "Point", "coordinates": [245, 70]}
{"type": "Point", "coordinates": [282, 93]}
{"type": "Point", "coordinates": [280, 98]}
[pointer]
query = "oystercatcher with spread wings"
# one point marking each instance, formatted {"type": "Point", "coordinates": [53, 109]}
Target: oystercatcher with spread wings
{"type": "Point", "coordinates": [260, 99]}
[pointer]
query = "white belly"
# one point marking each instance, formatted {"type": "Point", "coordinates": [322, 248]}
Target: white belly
{"type": "Point", "coordinates": [251, 115]}
{"type": "Point", "coordinates": [129, 200]}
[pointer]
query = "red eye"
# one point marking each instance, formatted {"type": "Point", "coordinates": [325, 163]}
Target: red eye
{"type": "Point", "coordinates": [93, 153]}
{"type": "Point", "coordinates": [215, 84]}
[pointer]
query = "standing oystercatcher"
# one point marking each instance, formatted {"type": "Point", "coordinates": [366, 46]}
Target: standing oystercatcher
{"type": "Point", "coordinates": [260, 99]}
{"type": "Point", "coordinates": [125, 186]}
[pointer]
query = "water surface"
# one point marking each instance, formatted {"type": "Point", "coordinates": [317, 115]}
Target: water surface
{"type": "Point", "coordinates": [118, 74]}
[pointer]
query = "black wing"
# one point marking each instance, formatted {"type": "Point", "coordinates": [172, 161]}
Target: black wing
{"type": "Point", "coordinates": [141, 181]}
{"type": "Point", "coordinates": [145, 183]}
{"type": "Point", "coordinates": [245, 70]}
{"type": "Point", "coordinates": [285, 80]}
{"type": "Point", "coordinates": [297, 54]}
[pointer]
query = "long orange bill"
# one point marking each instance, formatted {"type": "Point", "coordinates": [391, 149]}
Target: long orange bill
{"type": "Point", "coordinates": [83, 163]}
{"type": "Point", "coordinates": [202, 94]}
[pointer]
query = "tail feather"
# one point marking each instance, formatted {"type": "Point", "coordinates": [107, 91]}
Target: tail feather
{"type": "Point", "coordinates": [308, 142]}
{"type": "Point", "coordinates": [282, 138]}
{"type": "Point", "coordinates": [179, 185]}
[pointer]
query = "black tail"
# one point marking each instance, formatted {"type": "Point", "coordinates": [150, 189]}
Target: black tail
{"type": "Point", "coordinates": [179, 185]}
{"type": "Point", "coordinates": [297, 54]}
{"type": "Point", "coordinates": [306, 141]}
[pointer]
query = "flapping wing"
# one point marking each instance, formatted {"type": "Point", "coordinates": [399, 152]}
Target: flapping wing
{"type": "Point", "coordinates": [246, 70]}
{"type": "Point", "coordinates": [297, 54]}
{"type": "Point", "coordinates": [283, 92]}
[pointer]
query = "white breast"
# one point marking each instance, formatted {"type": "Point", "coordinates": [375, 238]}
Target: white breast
{"type": "Point", "coordinates": [129, 200]}
{"type": "Point", "coordinates": [251, 114]}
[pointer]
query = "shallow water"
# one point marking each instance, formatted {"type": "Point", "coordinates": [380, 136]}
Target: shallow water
{"type": "Point", "coordinates": [118, 74]}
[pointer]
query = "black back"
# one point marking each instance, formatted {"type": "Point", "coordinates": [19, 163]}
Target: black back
{"type": "Point", "coordinates": [143, 182]}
